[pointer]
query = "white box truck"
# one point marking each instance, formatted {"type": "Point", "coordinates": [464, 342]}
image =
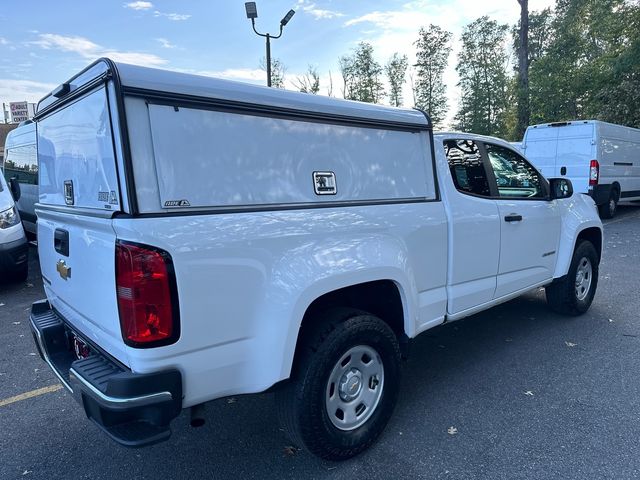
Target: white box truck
{"type": "Point", "coordinates": [201, 238]}
{"type": "Point", "coordinates": [601, 159]}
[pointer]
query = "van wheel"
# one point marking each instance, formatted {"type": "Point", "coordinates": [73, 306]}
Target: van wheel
{"type": "Point", "coordinates": [573, 293]}
{"type": "Point", "coordinates": [344, 389]}
{"type": "Point", "coordinates": [608, 210]}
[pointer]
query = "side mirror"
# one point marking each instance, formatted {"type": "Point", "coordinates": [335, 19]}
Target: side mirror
{"type": "Point", "coordinates": [560, 188]}
{"type": "Point", "coordinates": [14, 186]}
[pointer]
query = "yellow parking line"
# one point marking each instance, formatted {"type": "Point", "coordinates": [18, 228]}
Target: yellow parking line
{"type": "Point", "coordinates": [32, 393]}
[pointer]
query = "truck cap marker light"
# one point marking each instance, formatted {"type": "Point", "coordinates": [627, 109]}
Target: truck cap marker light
{"type": "Point", "coordinates": [61, 90]}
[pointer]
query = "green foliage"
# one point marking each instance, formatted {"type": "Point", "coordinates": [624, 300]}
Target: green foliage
{"type": "Point", "coordinates": [590, 66]}
{"type": "Point", "coordinates": [361, 75]}
{"type": "Point", "coordinates": [310, 81]}
{"type": "Point", "coordinates": [396, 70]}
{"type": "Point", "coordinates": [482, 64]}
{"type": "Point", "coordinates": [278, 71]}
{"type": "Point", "coordinates": [620, 100]}
{"type": "Point", "coordinates": [432, 56]}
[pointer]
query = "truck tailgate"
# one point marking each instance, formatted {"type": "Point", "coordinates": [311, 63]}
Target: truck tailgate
{"type": "Point", "coordinates": [81, 285]}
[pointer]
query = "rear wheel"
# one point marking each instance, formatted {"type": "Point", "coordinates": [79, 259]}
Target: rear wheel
{"type": "Point", "coordinates": [573, 293]}
{"type": "Point", "coordinates": [608, 210]}
{"type": "Point", "coordinates": [345, 386]}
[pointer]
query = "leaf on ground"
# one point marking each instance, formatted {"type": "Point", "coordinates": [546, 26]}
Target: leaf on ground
{"type": "Point", "coordinates": [29, 285]}
{"type": "Point", "coordinates": [16, 323]}
{"type": "Point", "coordinates": [290, 450]}
{"type": "Point", "coordinates": [1, 304]}
{"type": "Point", "coordinates": [529, 393]}
{"type": "Point", "coordinates": [508, 339]}
{"type": "Point", "coordinates": [231, 400]}
{"type": "Point", "coordinates": [570, 344]}
{"type": "Point", "coordinates": [611, 320]}
{"type": "Point", "coordinates": [452, 430]}
{"type": "Point", "coordinates": [33, 354]}
{"type": "Point", "coordinates": [27, 472]}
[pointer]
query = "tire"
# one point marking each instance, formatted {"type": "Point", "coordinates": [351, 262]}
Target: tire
{"type": "Point", "coordinates": [21, 274]}
{"type": "Point", "coordinates": [608, 210]}
{"type": "Point", "coordinates": [309, 403]}
{"type": "Point", "coordinates": [573, 293]}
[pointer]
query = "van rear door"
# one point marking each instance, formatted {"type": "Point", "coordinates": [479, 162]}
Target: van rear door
{"type": "Point", "coordinates": [576, 148]}
{"type": "Point", "coordinates": [539, 146]}
{"type": "Point", "coordinates": [79, 193]}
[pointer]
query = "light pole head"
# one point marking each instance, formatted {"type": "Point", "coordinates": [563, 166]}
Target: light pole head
{"type": "Point", "coordinates": [251, 9]}
{"type": "Point", "coordinates": [287, 17]}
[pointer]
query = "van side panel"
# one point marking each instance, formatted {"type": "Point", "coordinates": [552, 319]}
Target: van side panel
{"type": "Point", "coordinates": [245, 281]}
{"type": "Point", "coordinates": [619, 149]}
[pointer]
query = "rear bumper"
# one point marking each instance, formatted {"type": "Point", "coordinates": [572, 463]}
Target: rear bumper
{"type": "Point", "coordinates": [133, 409]}
{"type": "Point", "coordinates": [14, 255]}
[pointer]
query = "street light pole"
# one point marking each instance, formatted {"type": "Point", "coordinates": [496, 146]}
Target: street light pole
{"type": "Point", "coordinates": [268, 60]}
{"type": "Point", "coordinates": [252, 14]}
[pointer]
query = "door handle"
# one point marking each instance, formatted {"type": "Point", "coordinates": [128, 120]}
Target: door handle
{"type": "Point", "coordinates": [61, 241]}
{"type": "Point", "coordinates": [513, 218]}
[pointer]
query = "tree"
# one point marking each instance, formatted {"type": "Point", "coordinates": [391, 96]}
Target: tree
{"type": "Point", "coordinates": [278, 71]}
{"type": "Point", "coordinates": [576, 75]}
{"type": "Point", "coordinates": [523, 70]}
{"type": "Point", "coordinates": [330, 87]}
{"type": "Point", "coordinates": [361, 75]}
{"type": "Point", "coordinates": [396, 70]}
{"type": "Point", "coordinates": [483, 79]}
{"type": "Point", "coordinates": [620, 100]}
{"type": "Point", "coordinates": [432, 56]}
{"type": "Point", "coordinates": [309, 82]}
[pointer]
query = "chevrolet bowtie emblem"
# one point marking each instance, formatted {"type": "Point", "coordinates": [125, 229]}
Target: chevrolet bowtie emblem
{"type": "Point", "coordinates": [63, 269]}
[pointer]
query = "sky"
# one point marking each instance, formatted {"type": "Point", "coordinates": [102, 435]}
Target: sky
{"type": "Point", "coordinates": [43, 43]}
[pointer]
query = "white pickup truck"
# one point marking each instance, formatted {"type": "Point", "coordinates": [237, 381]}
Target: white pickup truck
{"type": "Point", "coordinates": [201, 238]}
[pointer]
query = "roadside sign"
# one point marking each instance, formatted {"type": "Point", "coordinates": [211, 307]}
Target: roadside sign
{"type": "Point", "coordinates": [19, 111]}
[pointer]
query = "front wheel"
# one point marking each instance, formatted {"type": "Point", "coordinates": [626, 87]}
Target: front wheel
{"type": "Point", "coordinates": [344, 387]}
{"type": "Point", "coordinates": [573, 293]}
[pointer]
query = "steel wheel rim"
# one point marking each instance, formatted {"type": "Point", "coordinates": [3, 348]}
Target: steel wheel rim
{"type": "Point", "coordinates": [354, 388]}
{"type": "Point", "coordinates": [584, 277]}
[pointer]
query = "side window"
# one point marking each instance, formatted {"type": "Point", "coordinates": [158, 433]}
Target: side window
{"type": "Point", "coordinates": [467, 169]}
{"type": "Point", "coordinates": [22, 162]}
{"type": "Point", "coordinates": [516, 178]}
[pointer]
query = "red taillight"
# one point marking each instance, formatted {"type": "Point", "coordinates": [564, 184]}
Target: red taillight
{"type": "Point", "coordinates": [594, 172]}
{"type": "Point", "coordinates": [147, 299]}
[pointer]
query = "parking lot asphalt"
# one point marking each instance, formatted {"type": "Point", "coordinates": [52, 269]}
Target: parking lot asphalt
{"type": "Point", "coordinates": [513, 392]}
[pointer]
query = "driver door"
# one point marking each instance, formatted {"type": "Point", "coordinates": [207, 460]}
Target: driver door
{"type": "Point", "coordinates": [529, 222]}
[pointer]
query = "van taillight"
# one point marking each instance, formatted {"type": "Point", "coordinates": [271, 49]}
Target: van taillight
{"type": "Point", "coordinates": [147, 295]}
{"type": "Point", "coordinates": [594, 172]}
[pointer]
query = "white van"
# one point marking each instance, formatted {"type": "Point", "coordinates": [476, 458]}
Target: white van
{"type": "Point", "coordinates": [13, 243]}
{"type": "Point", "coordinates": [601, 159]}
{"type": "Point", "coordinates": [21, 166]}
